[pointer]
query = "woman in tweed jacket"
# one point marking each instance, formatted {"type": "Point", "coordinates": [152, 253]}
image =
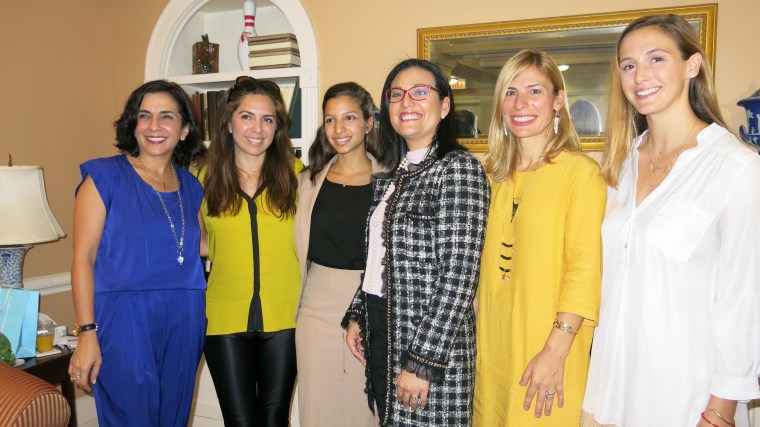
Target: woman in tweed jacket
{"type": "Point", "coordinates": [412, 323]}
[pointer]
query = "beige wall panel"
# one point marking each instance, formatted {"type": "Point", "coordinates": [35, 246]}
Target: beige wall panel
{"type": "Point", "coordinates": [69, 66]}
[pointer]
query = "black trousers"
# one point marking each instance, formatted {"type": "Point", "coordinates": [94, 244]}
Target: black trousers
{"type": "Point", "coordinates": [377, 357]}
{"type": "Point", "coordinates": [254, 374]}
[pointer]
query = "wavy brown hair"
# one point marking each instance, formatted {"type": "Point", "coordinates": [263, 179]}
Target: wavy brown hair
{"type": "Point", "coordinates": [222, 178]}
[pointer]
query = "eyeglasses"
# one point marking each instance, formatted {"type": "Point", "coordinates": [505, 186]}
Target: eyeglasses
{"type": "Point", "coordinates": [250, 84]}
{"type": "Point", "coordinates": [416, 93]}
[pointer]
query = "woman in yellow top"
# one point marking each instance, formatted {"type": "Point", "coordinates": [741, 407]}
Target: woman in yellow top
{"type": "Point", "coordinates": [249, 210]}
{"type": "Point", "coordinates": [540, 275]}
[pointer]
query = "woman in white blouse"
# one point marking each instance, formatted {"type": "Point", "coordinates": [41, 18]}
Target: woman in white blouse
{"type": "Point", "coordinates": [678, 342]}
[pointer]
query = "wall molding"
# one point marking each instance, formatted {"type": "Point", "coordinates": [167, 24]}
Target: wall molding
{"type": "Point", "coordinates": [50, 284]}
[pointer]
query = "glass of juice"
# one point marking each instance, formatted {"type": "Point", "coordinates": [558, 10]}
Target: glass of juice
{"type": "Point", "coordinates": [45, 329]}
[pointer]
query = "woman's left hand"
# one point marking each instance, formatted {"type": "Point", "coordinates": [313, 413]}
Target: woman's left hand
{"type": "Point", "coordinates": [543, 376]}
{"type": "Point", "coordinates": [411, 391]}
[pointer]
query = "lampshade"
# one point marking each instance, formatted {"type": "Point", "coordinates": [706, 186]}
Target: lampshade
{"type": "Point", "coordinates": [25, 216]}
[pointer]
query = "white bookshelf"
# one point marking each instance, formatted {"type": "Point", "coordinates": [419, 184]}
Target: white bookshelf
{"type": "Point", "coordinates": [182, 23]}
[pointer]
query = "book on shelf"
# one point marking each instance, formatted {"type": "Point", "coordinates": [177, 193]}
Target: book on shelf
{"type": "Point", "coordinates": [197, 112]}
{"type": "Point", "coordinates": [287, 93]}
{"type": "Point", "coordinates": [272, 38]}
{"type": "Point", "coordinates": [294, 111]}
{"type": "Point", "coordinates": [273, 52]}
{"type": "Point", "coordinates": [269, 67]}
{"type": "Point", "coordinates": [204, 117]}
{"type": "Point", "coordinates": [274, 61]}
{"type": "Point", "coordinates": [274, 45]}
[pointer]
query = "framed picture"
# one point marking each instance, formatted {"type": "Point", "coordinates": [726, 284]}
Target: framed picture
{"type": "Point", "coordinates": [582, 45]}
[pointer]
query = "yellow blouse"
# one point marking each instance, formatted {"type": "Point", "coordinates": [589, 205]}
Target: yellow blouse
{"type": "Point", "coordinates": [554, 266]}
{"type": "Point", "coordinates": [231, 282]}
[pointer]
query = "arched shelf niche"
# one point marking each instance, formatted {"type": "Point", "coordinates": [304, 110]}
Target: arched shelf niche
{"type": "Point", "coordinates": [182, 23]}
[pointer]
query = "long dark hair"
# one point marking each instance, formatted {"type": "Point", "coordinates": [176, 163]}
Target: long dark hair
{"type": "Point", "coordinates": [221, 182]}
{"type": "Point", "coordinates": [445, 134]}
{"type": "Point", "coordinates": [186, 151]}
{"type": "Point", "coordinates": [321, 151]}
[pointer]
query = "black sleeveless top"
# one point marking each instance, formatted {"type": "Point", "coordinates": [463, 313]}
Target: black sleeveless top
{"type": "Point", "coordinates": [338, 221]}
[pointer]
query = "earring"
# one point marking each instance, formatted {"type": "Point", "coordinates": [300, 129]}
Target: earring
{"type": "Point", "coordinates": [556, 122]}
{"type": "Point", "coordinates": [506, 130]}
{"type": "Point", "coordinates": [443, 116]}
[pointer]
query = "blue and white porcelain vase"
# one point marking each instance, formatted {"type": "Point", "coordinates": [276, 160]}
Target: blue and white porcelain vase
{"type": "Point", "coordinates": [752, 134]}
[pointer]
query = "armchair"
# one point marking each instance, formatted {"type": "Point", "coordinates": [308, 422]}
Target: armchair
{"type": "Point", "coordinates": [27, 401]}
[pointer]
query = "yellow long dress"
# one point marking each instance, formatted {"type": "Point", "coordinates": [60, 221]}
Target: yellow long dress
{"type": "Point", "coordinates": [555, 267]}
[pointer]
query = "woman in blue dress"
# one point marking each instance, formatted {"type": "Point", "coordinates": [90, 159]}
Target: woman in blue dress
{"type": "Point", "coordinates": [136, 277]}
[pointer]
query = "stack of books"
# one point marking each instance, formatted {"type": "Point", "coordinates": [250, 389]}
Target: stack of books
{"type": "Point", "coordinates": [207, 108]}
{"type": "Point", "coordinates": [273, 51]}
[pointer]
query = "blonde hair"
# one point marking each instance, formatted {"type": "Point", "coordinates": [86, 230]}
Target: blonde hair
{"type": "Point", "coordinates": [624, 123]}
{"type": "Point", "coordinates": [503, 150]}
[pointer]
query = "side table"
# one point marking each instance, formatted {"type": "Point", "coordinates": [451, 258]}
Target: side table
{"type": "Point", "coordinates": [55, 370]}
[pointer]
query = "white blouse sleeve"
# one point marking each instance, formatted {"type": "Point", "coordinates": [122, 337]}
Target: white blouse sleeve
{"type": "Point", "coordinates": [736, 316]}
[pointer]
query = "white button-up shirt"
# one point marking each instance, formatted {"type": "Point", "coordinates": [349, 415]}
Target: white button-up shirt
{"type": "Point", "coordinates": [680, 314]}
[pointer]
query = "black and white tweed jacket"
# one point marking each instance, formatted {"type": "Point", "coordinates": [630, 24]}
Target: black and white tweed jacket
{"type": "Point", "coordinates": [434, 229]}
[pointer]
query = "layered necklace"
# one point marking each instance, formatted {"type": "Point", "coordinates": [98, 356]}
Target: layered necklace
{"type": "Point", "coordinates": [181, 241]}
{"type": "Point", "coordinates": [656, 170]}
{"type": "Point", "coordinates": [507, 260]}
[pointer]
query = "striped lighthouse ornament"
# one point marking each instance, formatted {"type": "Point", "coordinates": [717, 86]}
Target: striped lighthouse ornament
{"type": "Point", "coordinates": [249, 10]}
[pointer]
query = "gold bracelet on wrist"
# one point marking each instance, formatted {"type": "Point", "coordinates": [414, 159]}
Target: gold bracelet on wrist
{"type": "Point", "coordinates": [564, 327]}
{"type": "Point", "coordinates": [714, 411]}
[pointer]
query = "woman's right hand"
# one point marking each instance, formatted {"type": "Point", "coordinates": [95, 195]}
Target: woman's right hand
{"type": "Point", "coordinates": [86, 361]}
{"type": "Point", "coordinates": [354, 341]}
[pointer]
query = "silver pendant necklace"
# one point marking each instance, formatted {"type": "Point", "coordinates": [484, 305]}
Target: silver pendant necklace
{"type": "Point", "coordinates": [181, 241]}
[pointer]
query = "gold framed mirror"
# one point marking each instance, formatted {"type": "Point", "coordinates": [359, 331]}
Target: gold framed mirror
{"type": "Point", "coordinates": [472, 56]}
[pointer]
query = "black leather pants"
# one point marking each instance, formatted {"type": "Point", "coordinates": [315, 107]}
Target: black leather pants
{"type": "Point", "coordinates": [254, 374]}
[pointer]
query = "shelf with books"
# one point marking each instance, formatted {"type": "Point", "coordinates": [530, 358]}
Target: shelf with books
{"type": "Point", "coordinates": [182, 23]}
{"type": "Point", "coordinates": [218, 81]}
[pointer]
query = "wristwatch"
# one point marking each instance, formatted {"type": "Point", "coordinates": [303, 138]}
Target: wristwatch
{"type": "Point", "coordinates": [84, 328]}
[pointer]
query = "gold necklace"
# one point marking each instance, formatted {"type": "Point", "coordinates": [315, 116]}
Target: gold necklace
{"type": "Point", "coordinates": [150, 174]}
{"type": "Point", "coordinates": [249, 173]}
{"type": "Point", "coordinates": [506, 271]}
{"type": "Point", "coordinates": [665, 169]}
{"type": "Point", "coordinates": [181, 241]}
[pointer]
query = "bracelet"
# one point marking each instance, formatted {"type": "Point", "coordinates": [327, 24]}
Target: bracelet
{"type": "Point", "coordinates": [564, 327]}
{"type": "Point", "coordinates": [84, 328]}
{"type": "Point", "coordinates": [714, 411]}
{"type": "Point", "coordinates": [708, 421]}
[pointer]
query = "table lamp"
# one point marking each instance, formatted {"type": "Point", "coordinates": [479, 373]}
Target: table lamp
{"type": "Point", "coordinates": [25, 219]}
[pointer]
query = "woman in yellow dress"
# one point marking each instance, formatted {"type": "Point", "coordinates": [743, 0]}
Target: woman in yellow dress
{"type": "Point", "coordinates": [540, 275]}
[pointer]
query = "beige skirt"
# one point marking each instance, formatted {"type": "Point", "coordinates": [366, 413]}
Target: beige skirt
{"type": "Point", "coordinates": [587, 420]}
{"type": "Point", "coordinates": [330, 379]}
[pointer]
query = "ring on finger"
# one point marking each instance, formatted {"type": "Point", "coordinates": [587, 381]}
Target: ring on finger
{"type": "Point", "coordinates": [549, 394]}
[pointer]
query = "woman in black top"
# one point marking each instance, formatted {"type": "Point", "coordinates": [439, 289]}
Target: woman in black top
{"type": "Point", "coordinates": [335, 193]}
